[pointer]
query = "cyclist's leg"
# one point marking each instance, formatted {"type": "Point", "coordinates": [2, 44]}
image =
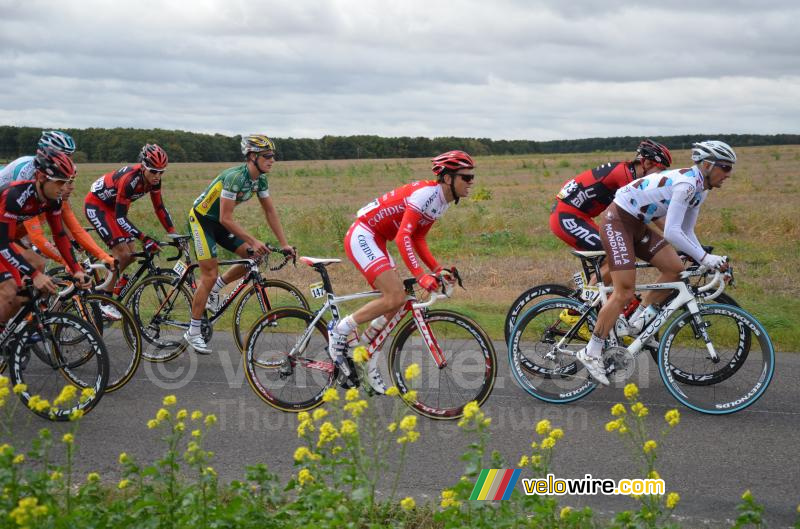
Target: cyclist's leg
{"type": "Point", "coordinates": [216, 234]}
{"type": "Point", "coordinates": [580, 232]}
{"type": "Point", "coordinates": [664, 257]}
{"type": "Point", "coordinates": [104, 222]}
{"type": "Point", "coordinates": [9, 304]}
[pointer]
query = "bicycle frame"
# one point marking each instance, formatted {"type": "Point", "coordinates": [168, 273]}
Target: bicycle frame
{"type": "Point", "coordinates": [685, 298]}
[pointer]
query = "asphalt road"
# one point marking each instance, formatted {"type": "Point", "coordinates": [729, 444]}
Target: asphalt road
{"type": "Point", "coordinates": [708, 460]}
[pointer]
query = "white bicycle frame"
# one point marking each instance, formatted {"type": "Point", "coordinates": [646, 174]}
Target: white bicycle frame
{"type": "Point", "coordinates": [684, 298]}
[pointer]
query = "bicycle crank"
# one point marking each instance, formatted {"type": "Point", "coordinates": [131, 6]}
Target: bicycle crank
{"type": "Point", "coordinates": [620, 364]}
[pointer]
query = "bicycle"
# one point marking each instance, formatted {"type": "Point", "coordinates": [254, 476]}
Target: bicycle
{"type": "Point", "coordinates": [161, 305]}
{"type": "Point", "coordinates": [121, 336]}
{"type": "Point", "coordinates": [533, 295]}
{"type": "Point", "coordinates": [715, 380]}
{"type": "Point", "coordinates": [44, 348]}
{"type": "Point", "coordinates": [288, 366]}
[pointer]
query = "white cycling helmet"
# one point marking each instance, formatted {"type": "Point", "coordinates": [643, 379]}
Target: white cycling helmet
{"type": "Point", "coordinates": [713, 151]}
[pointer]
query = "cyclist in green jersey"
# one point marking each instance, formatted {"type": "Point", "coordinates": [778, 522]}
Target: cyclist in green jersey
{"type": "Point", "coordinates": [211, 223]}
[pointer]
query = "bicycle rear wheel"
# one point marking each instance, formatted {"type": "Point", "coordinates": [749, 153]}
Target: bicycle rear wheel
{"type": "Point", "coordinates": [248, 309]}
{"type": "Point", "coordinates": [742, 372]}
{"type": "Point", "coordinates": [289, 382]}
{"type": "Point", "coordinates": [46, 365]}
{"type": "Point", "coordinates": [162, 310]}
{"type": "Point", "coordinates": [467, 375]}
{"type": "Point", "coordinates": [542, 367]}
{"type": "Point", "coordinates": [531, 297]}
{"type": "Point", "coordinates": [121, 337]}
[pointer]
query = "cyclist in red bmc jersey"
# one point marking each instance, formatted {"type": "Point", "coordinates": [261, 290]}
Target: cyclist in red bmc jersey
{"type": "Point", "coordinates": [404, 215]}
{"type": "Point", "coordinates": [22, 200]}
{"type": "Point", "coordinates": [106, 205]}
{"type": "Point", "coordinates": [587, 195]}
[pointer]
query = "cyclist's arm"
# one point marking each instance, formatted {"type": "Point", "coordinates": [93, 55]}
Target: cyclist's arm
{"type": "Point", "coordinates": [271, 213]}
{"type": "Point", "coordinates": [405, 240]}
{"type": "Point", "coordinates": [62, 241]}
{"type": "Point", "coordinates": [679, 223]}
{"type": "Point", "coordinates": [36, 234]}
{"type": "Point", "coordinates": [161, 211]}
{"type": "Point", "coordinates": [81, 236]}
{"type": "Point", "coordinates": [126, 187]}
{"type": "Point", "coordinates": [226, 206]}
{"type": "Point", "coordinates": [420, 243]}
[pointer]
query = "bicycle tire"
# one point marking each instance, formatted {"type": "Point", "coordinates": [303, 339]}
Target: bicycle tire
{"type": "Point", "coordinates": [84, 367]}
{"type": "Point", "coordinates": [162, 325]}
{"type": "Point", "coordinates": [452, 331]}
{"type": "Point", "coordinates": [558, 380]}
{"type": "Point", "coordinates": [732, 393]}
{"type": "Point", "coordinates": [288, 384]}
{"type": "Point", "coordinates": [528, 298]}
{"type": "Point", "coordinates": [241, 320]}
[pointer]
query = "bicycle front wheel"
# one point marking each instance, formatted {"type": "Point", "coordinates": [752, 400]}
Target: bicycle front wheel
{"type": "Point", "coordinates": [531, 297]}
{"type": "Point", "coordinates": [285, 371]}
{"type": "Point", "coordinates": [46, 366]}
{"type": "Point", "coordinates": [467, 373]}
{"type": "Point", "coordinates": [740, 374]}
{"type": "Point", "coordinates": [542, 347]}
{"type": "Point", "coordinates": [163, 311]}
{"type": "Point", "coordinates": [248, 310]}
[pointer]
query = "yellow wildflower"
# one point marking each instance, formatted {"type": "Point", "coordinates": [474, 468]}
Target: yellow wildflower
{"type": "Point", "coordinates": [301, 453]}
{"type": "Point", "coordinates": [68, 438]}
{"type": "Point", "coordinates": [409, 422]}
{"type": "Point", "coordinates": [181, 415]}
{"type": "Point", "coordinates": [449, 499]}
{"type": "Point", "coordinates": [351, 394]}
{"type": "Point", "coordinates": [523, 461]}
{"type": "Point", "coordinates": [548, 443]}
{"type": "Point", "coordinates": [356, 408]}
{"type": "Point", "coordinates": [330, 395]}
{"type": "Point", "coordinates": [348, 427]}
{"type": "Point", "coordinates": [123, 458]}
{"type": "Point", "coordinates": [327, 434]}
{"type": "Point", "coordinates": [612, 425]}
{"type": "Point", "coordinates": [536, 460]}
{"type": "Point", "coordinates": [319, 413]}
{"type": "Point", "coordinates": [197, 415]}
{"type": "Point", "coordinates": [672, 500]}
{"type": "Point", "coordinates": [123, 484]}
{"type": "Point", "coordinates": [673, 417]}
{"type": "Point", "coordinates": [211, 419]}
{"type": "Point", "coordinates": [631, 391]}
{"type": "Point", "coordinates": [92, 477]}
{"type": "Point", "coordinates": [56, 475]}
{"type": "Point", "coordinates": [304, 476]}
{"type": "Point", "coordinates": [557, 433]}
{"type": "Point", "coordinates": [360, 355]}
{"type": "Point", "coordinates": [76, 414]}
{"type": "Point", "coordinates": [653, 474]}
{"type": "Point", "coordinates": [412, 371]}
{"type": "Point", "coordinates": [565, 512]}
{"type": "Point", "coordinates": [86, 394]}
{"type": "Point", "coordinates": [196, 433]}
{"type": "Point", "coordinates": [20, 388]}
{"type": "Point", "coordinates": [303, 416]}
{"type": "Point", "coordinates": [649, 446]}
{"type": "Point", "coordinates": [747, 495]}
{"type": "Point", "coordinates": [152, 423]}
{"type": "Point", "coordinates": [410, 396]}
{"type": "Point", "coordinates": [543, 427]}
{"type": "Point", "coordinates": [18, 459]}
{"type": "Point", "coordinates": [407, 503]}
{"type": "Point", "coordinates": [66, 395]}
{"type": "Point", "coordinates": [640, 409]}
{"type": "Point", "coordinates": [392, 427]}
{"type": "Point", "coordinates": [471, 409]}
{"type": "Point", "coordinates": [162, 415]}
{"type": "Point", "coordinates": [392, 391]}
{"type": "Point", "coordinates": [180, 427]}
{"type": "Point", "coordinates": [618, 409]}
{"type": "Point", "coordinates": [169, 400]}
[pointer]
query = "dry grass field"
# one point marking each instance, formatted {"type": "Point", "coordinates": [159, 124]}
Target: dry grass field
{"type": "Point", "coordinates": [500, 238]}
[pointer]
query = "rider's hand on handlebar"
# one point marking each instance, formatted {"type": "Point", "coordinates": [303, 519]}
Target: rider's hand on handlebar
{"type": "Point", "coordinates": [45, 283]}
{"type": "Point", "coordinates": [290, 251]}
{"type": "Point", "coordinates": [259, 248]}
{"type": "Point", "coordinates": [82, 279]}
{"type": "Point", "coordinates": [715, 262]}
{"type": "Point", "coordinates": [150, 245]}
{"type": "Point", "coordinates": [428, 281]}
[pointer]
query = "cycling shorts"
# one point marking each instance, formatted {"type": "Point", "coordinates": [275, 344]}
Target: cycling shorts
{"type": "Point", "coordinates": [207, 233]}
{"type": "Point", "coordinates": [367, 251]}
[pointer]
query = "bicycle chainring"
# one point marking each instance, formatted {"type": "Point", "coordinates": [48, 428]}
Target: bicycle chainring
{"type": "Point", "coordinates": [620, 364]}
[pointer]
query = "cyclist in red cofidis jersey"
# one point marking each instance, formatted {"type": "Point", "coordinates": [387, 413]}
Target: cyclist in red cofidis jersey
{"type": "Point", "coordinates": [403, 215]}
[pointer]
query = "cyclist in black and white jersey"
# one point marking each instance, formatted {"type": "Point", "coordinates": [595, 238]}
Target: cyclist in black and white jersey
{"type": "Point", "coordinates": [674, 196]}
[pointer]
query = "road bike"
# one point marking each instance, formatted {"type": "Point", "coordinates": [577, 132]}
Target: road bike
{"type": "Point", "coordinates": [287, 363]}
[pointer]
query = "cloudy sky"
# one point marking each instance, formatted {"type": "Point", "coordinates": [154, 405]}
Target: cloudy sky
{"type": "Point", "coordinates": [501, 69]}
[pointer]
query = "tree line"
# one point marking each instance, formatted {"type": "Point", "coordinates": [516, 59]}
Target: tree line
{"type": "Point", "coordinates": [121, 145]}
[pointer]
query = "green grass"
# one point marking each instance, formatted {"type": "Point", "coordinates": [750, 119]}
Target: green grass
{"type": "Point", "coordinates": [500, 238]}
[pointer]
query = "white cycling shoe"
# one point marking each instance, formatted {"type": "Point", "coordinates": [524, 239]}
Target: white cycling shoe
{"type": "Point", "coordinates": [593, 365]}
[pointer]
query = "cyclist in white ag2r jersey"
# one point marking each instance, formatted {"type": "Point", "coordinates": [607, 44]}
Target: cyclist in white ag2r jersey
{"type": "Point", "coordinates": [671, 200]}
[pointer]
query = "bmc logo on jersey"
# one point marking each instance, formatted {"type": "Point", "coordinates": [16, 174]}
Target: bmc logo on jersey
{"type": "Point", "coordinates": [28, 193]}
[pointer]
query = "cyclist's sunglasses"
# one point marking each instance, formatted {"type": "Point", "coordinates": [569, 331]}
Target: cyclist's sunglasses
{"type": "Point", "coordinates": [467, 177]}
{"type": "Point", "coordinates": [268, 156]}
{"type": "Point", "coordinates": [155, 171]}
{"type": "Point", "coordinates": [724, 166]}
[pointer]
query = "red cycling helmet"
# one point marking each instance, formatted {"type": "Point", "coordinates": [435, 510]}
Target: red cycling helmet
{"type": "Point", "coordinates": [54, 164]}
{"type": "Point", "coordinates": [650, 150]}
{"type": "Point", "coordinates": [153, 158]}
{"type": "Point", "coordinates": [451, 161]}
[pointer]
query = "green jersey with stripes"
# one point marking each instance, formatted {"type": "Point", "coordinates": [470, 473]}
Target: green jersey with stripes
{"type": "Point", "coordinates": [234, 184]}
